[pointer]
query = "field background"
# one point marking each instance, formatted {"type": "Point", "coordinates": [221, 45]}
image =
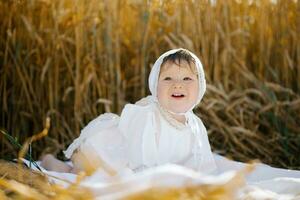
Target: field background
{"type": "Point", "coordinates": [72, 60]}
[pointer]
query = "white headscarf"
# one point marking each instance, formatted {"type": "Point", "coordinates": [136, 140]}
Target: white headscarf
{"type": "Point", "coordinates": [154, 75]}
{"type": "Point", "coordinates": [191, 119]}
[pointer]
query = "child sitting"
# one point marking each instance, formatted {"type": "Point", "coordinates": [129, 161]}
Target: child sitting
{"type": "Point", "coordinates": [156, 130]}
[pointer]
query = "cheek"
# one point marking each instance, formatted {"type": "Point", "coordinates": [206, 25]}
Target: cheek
{"type": "Point", "coordinates": [161, 90]}
{"type": "Point", "coordinates": [159, 93]}
{"type": "Point", "coordinates": [162, 94]}
{"type": "Point", "coordinates": [194, 91]}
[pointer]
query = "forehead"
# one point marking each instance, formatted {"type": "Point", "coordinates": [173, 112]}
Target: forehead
{"type": "Point", "coordinates": [183, 66]}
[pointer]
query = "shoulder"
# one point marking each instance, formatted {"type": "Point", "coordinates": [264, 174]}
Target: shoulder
{"type": "Point", "coordinates": [137, 118]}
{"type": "Point", "coordinates": [199, 121]}
{"type": "Point", "coordinates": [135, 109]}
{"type": "Point", "coordinates": [137, 113]}
{"type": "Point", "coordinates": [101, 122]}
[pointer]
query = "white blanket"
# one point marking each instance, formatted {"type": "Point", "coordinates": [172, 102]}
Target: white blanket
{"type": "Point", "coordinates": [264, 182]}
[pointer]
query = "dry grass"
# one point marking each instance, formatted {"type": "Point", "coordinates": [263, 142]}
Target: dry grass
{"type": "Point", "coordinates": [17, 182]}
{"type": "Point", "coordinates": [72, 60]}
{"type": "Point", "coordinates": [256, 123]}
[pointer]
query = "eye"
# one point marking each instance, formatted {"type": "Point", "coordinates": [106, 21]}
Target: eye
{"type": "Point", "coordinates": [167, 78]}
{"type": "Point", "coordinates": [187, 79]}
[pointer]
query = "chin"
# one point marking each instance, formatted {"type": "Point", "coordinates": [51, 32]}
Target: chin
{"type": "Point", "coordinates": [178, 110]}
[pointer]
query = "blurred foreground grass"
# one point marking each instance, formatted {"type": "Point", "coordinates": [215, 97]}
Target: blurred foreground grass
{"type": "Point", "coordinates": [18, 182]}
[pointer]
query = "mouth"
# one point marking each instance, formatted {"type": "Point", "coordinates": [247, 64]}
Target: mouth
{"type": "Point", "coordinates": [177, 95]}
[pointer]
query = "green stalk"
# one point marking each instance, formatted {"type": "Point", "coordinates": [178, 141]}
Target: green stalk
{"type": "Point", "coordinates": [18, 146]}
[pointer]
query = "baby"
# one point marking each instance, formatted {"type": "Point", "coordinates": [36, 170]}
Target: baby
{"type": "Point", "coordinates": [156, 130]}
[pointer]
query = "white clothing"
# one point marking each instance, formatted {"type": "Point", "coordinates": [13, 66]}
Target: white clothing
{"type": "Point", "coordinates": [143, 137]}
{"type": "Point", "coordinates": [192, 119]}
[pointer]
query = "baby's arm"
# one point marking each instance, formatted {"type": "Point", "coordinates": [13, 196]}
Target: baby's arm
{"type": "Point", "coordinates": [49, 162]}
{"type": "Point", "coordinates": [83, 160]}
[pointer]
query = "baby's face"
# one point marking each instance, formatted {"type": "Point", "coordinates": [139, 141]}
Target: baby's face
{"type": "Point", "coordinates": [177, 88]}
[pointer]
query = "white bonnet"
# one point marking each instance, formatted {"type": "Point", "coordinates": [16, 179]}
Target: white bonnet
{"type": "Point", "coordinates": [154, 74]}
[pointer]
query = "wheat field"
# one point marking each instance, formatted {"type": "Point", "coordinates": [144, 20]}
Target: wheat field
{"type": "Point", "coordinates": [73, 60]}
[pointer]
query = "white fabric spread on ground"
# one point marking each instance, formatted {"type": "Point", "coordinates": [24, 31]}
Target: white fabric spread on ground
{"type": "Point", "coordinates": [264, 182]}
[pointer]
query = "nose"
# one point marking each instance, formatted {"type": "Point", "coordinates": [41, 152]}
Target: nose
{"type": "Point", "coordinates": [177, 84]}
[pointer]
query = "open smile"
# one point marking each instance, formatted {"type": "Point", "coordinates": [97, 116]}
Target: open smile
{"type": "Point", "coordinates": [177, 95]}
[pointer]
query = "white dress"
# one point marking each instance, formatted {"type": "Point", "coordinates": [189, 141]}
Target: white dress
{"type": "Point", "coordinates": [143, 136]}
